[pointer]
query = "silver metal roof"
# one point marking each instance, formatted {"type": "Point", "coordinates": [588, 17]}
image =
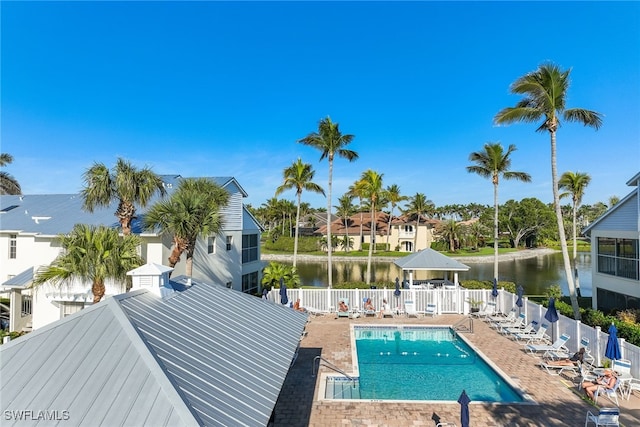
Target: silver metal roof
{"type": "Point", "coordinates": [206, 356]}
{"type": "Point", "coordinates": [429, 259]}
{"type": "Point", "coordinates": [21, 280]}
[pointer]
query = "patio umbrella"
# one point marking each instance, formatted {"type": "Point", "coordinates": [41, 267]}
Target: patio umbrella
{"type": "Point", "coordinates": [464, 400]}
{"type": "Point", "coordinates": [613, 346]}
{"type": "Point", "coordinates": [283, 292]}
{"type": "Point", "coordinates": [552, 315]}
{"type": "Point", "coordinates": [494, 290]}
{"type": "Point", "coordinates": [265, 292]}
{"type": "Point", "coordinates": [519, 302]}
{"type": "Point", "coordinates": [397, 291]}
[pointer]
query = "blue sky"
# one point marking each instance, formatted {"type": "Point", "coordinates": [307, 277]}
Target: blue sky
{"type": "Point", "coordinates": [226, 89]}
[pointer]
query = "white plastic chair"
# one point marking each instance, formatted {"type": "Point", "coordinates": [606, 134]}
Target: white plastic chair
{"type": "Point", "coordinates": [611, 393]}
{"type": "Point", "coordinates": [606, 417]}
{"type": "Point", "coordinates": [410, 309]}
{"type": "Point", "coordinates": [432, 310]}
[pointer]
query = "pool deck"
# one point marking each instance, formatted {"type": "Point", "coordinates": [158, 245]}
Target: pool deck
{"type": "Point", "coordinates": [558, 402]}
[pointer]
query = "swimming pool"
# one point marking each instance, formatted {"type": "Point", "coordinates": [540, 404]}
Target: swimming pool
{"type": "Point", "coordinates": [421, 363]}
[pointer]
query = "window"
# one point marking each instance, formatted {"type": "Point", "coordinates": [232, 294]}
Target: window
{"type": "Point", "coordinates": [13, 246]}
{"type": "Point", "coordinates": [211, 245]}
{"type": "Point", "coordinates": [250, 283]}
{"type": "Point", "coordinates": [249, 248]}
{"type": "Point", "coordinates": [619, 257]}
{"type": "Point", "coordinates": [229, 242]}
{"type": "Point", "coordinates": [68, 308]}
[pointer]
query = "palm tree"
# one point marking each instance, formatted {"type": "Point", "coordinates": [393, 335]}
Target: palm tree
{"type": "Point", "coordinates": [331, 142]}
{"type": "Point", "coordinates": [451, 231]}
{"type": "Point", "coordinates": [275, 271]}
{"type": "Point", "coordinates": [344, 210]}
{"type": "Point", "coordinates": [574, 183]}
{"type": "Point", "coordinates": [193, 210]}
{"type": "Point", "coordinates": [418, 206]}
{"type": "Point", "coordinates": [92, 253]}
{"type": "Point", "coordinates": [125, 183]}
{"type": "Point", "coordinates": [356, 191]}
{"type": "Point", "coordinates": [492, 163]}
{"type": "Point", "coordinates": [393, 196]}
{"type": "Point", "coordinates": [8, 184]}
{"type": "Point", "coordinates": [299, 176]}
{"type": "Point", "coordinates": [545, 93]}
{"type": "Point", "coordinates": [371, 185]}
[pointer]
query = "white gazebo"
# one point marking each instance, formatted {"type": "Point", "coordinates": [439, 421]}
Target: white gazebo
{"type": "Point", "coordinates": [429, 259]}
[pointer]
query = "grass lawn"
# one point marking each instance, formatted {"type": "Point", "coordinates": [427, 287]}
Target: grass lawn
{"type": "Point", "coordinates": [395, 254]}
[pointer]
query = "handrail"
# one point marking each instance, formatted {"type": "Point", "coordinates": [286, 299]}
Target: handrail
{"type": "Point", "coordinates": [462, 326]}
{"type": "Point", "coordinates": [330, 366]}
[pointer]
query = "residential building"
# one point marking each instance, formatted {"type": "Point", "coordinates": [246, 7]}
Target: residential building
{"type": "Point", "coordinates": [177, 352]}
{"type": "Point", "coordinates": [615, 253]}
{"type": "Point", "coordinates": [30, 225]}
{"type": "Point", "coordinates": [403, 234]}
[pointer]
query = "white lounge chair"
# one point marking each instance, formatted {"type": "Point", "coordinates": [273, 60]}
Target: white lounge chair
{"type": "Point", "coordinates": [559, 344]}
{"type": "Point", "coordinates": [606, 417]}
{"type": "Point", "coordinates": [510, 317]}
{"type": "Point", "coordinates": [488, 310]}
{"type": "Point", "coordinates": [553, 368]}
{"type": "Point", "coordinates": [538, 337]}
{"type": "Point", "coordinates": [432, 310]}
{"type": "Point", "coordinates": [518, 322]}
{"type": "Point", "coordinates": [529, 329]}
{"type": "Point", "coordinates": [584, 343]}
{"type": "Point", "coordinates": [410, 309]}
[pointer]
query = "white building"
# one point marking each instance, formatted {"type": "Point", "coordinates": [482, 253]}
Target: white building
{"type": "Point", "coordinates": [615, 253]}
{"type": "Point", "coordinates": [30, 224]}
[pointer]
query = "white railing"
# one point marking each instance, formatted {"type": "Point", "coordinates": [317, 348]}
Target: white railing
{"type": "Point", "coordinates": [456, 301]}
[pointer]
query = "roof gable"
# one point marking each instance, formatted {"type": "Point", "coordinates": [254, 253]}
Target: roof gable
{"type": "Point", "coordinates": [429, 259]}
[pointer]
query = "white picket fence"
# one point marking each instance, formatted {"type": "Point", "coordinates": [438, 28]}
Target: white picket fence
{"type": "Point", "coordinates": [456, 301]}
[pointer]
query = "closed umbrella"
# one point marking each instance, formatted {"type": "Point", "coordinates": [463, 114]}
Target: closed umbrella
{"type": "Point", "coordinates": [494, 290]}
{"type": "Point", "coordinates": [283, 292]}
{"type": "Point", "coordinates": [265, 292]}
{"type": "Point", "coordinates": [613, 346]}
{"type": "Point", "coordinates": [397, 291]}
{"type": "Point", "coordinates": [552, 315]}
{"type": "Point", "coordinates": [464, 400]}
{"type": "Point", "coordinates": [519, 302]}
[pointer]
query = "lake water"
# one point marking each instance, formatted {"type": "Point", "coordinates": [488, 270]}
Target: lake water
{"type": "Point", "coordinates": [534, 274]}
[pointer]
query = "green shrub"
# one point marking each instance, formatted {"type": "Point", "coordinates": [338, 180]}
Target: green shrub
{"type": "Point", "coordinates": [286, 243]}
{"type": "Point", "coordinates": [488, 284]}
{"type": "Point", "coordinates": [362, 285]}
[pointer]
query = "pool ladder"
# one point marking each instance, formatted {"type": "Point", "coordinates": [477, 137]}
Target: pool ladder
{"type": "Point", "coordinates": [337, 389]}
{"type": "Point", "coordinates": [464, 325]}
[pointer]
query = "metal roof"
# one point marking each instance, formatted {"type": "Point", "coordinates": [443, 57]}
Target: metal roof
{"type": "Point", "coordinates": [20, 280]}
{"type": "Point", "coordinates": [53, 214]}
{"type": "Point", "coordinates": [429, 259]}
{"type": "Point", "coordinates": [207, 356]}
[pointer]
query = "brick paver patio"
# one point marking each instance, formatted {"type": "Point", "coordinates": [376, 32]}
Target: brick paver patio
{"type": "Point", "coordinates": [557, 400]}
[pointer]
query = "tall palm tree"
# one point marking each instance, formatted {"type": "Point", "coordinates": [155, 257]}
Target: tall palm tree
{"type": "Point", "coordinates": [95, 254]}
{"type": "Point", "coordinates": [344, 210]}
{"type": "Point", "coordinates": [356, 191]}
{"type": "Point", "coordinates": [299, 176]}
{"type": "Point", "coordinates": [418, 206]}
{"type": "Point", "coordinates": [125, 183]}
{"type": "Point", "coordinates": [492, 163]}
{"type": "Point", "coordinates": [393, 196]}
{"type": "Point", "coordinates": [8, 184]}
{"type": "Point", "coordinates": [371, 184]}
{"type": "Point", "coordinates": [193, 210]}
{"type": "Point", "coordinates": [544, 98]}
{"type": "Point", "coordinates": [574, 183]}
{"type": "Point", "coordinates": [331, 142]}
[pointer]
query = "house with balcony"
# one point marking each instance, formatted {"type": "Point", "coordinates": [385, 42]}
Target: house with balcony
{"type": "Point", "coordinates": [615, 253]}
{"type": "Point", "coordinates": [401, 233]}
{"type": "Point", "coordinates": [30, 225]}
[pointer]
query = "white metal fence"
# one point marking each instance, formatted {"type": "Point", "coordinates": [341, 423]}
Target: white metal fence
{"type": "Point", "coordinates": [457, 301]}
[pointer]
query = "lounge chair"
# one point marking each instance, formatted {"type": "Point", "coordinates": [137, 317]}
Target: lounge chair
{"type": "Point", "coordinates": [585, 375]}
{"type": "Point", "coordinates": [410, 309]}
{"type": "Point", "coordinates": [518, 322]}
{"type": "Point", "coordinates": [347, 313]}
{"type": "Point", "coordinates": [432, 310]}
{"type": "Point", "coordinates": [488, 310]}
{"type": "Point", "coordinates": [605, 417]}
{"type": "Point", "coordinates": [314, 311]}
{"type": "Point", "coordinates": [538, 337]}
{"type": "Point", "coordinates": [559, 344]}
{"type": "Point", "coordinates": [510, 317]}
{"type": "Point", "coordinates": [584, 343]}
{"type": "Point", "coordinates": [632, 385]}
{"type": "Point", "coordinates": [529, 329]}
{"type": "Point", "coordinates": [553, 368]}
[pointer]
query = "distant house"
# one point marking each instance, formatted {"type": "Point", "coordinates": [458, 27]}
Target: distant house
{"type": "Point", "coordinates": [403, 234]}
{"type": "Point", "coordinates": [174, 352]}
{"type": "Point", "coordinates": [30, 224]}
{"type": "Point", "coordinates": [615, 253]}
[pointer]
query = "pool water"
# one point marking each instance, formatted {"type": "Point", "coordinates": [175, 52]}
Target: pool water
{"type": "Point", "coordinates": [424, 363]}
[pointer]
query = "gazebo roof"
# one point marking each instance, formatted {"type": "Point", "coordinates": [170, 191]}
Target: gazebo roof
{"type": "Point", "coordinates": [429, 259]}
